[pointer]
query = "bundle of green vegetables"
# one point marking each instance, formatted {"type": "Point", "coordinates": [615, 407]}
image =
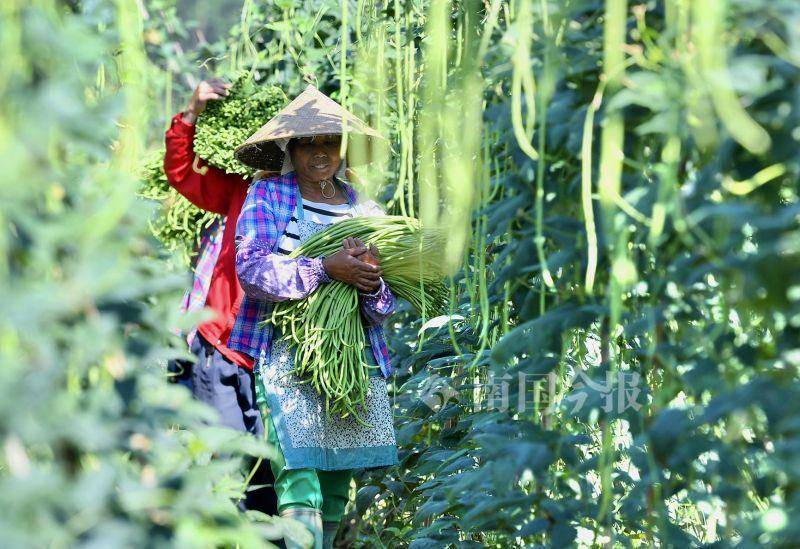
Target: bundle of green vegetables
{"type": "Point", "coordinates": [326, 327]}
{"type": "Point", "coordinates": [180, 224]}
{"type": "Point", "coordinates": [226, 124]}
{"type": "Point", "coordinates": [219, 129]}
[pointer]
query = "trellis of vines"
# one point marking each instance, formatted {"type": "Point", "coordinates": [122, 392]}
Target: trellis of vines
{"type": "Point", "coordinates": [620, 180]}
{"type": "Point", "coordinates": [630, 267]}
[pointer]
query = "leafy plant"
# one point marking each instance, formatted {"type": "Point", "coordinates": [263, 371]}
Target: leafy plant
{"type": "Point", "coordinates": [629, 212]}
{"type": "Point", "coordinates": [97, 449]}
{"type": "Point", "coordinates": [227, 123]}
{"type": "Point", "coordinates": [179, 224]}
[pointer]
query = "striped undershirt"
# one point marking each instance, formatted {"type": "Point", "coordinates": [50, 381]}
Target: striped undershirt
{"type": "Point", "coordinates": [318, 212]}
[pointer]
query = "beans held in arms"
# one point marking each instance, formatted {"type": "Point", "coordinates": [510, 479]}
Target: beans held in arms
{"type": "Point", "coordinates": [326, 327]}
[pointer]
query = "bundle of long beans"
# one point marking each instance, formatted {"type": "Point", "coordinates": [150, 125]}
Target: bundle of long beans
{"type": "Point", "coordinates": [326, 326]}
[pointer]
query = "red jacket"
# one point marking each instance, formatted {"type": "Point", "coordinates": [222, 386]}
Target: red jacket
{"type": "Point", "coordinates": [211, 189]}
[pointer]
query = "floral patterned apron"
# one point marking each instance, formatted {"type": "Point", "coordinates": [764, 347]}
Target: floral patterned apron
{"type": "Point", "coordinates": [307, 436]}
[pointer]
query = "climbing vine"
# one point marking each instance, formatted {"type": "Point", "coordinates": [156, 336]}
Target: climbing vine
{"type": "Point", "coordinates": [618, 365]}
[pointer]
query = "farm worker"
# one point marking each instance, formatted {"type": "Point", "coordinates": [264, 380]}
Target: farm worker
{"type": "Point", "coordinates": [222, 377]}
{"type": "Point", "coordinates": [317, 455]}
{"type": "Point", "coordinates": [194, 299]}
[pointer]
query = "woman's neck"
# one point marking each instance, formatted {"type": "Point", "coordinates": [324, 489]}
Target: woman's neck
{"type": "Point", "coordinates": [312, 190]}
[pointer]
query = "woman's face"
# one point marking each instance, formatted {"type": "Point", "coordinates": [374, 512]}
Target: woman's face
{"type": "Point", "coordinates": [315, 158]}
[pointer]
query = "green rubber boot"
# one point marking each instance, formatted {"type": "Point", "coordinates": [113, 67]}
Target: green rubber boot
{"type": "Point", "coordinates": [329, 529]}
{"type": "Point", "coordinates": [312, 518]}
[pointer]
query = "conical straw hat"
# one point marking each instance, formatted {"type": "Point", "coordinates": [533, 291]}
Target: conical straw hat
{"type": "Point", "coordinates": [311, 113]}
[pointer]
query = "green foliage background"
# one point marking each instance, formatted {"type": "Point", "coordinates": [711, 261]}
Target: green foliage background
{"type": "Point", "coordinates": [96, 449]}
{"type": "Point", "coordinates": [695, 250]}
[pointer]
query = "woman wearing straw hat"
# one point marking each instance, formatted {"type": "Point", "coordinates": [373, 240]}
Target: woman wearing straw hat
{"type": "Point", "coordinates": [317, 454]}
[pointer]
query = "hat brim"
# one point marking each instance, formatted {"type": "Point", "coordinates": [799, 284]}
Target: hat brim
{"type": "Point", "coordinates": [311, 113]}
{"type": "Point", "coordinates": [266, 155]}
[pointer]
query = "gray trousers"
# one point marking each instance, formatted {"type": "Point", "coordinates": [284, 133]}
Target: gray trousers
{"type": "Point", "coordinates": [230, 390]}
{"type": "Point", "coordinates": [226, 387]}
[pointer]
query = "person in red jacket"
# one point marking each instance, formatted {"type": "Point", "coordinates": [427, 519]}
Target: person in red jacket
{"type": "Point", "coordinates": [222, 377]}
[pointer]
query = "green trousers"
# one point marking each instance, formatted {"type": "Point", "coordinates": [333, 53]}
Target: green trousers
{"type": "Point", "coordinates": [327, 491]}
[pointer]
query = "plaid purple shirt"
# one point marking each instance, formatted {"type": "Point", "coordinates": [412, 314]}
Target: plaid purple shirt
{"type": "Point", "coordinates": [268, 277]}
{"type": "Point", "coordinates": [195, 297]}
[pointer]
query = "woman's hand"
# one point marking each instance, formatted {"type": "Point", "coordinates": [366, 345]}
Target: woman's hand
{"type": "Point", "coordinates": [369, 255]}
{"type": "Point", "coordinates": [214, 88]}
{"type": "Point", "coordinates": [356, 265]}
{"type": "Point", "coordinates": [361, 251]}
